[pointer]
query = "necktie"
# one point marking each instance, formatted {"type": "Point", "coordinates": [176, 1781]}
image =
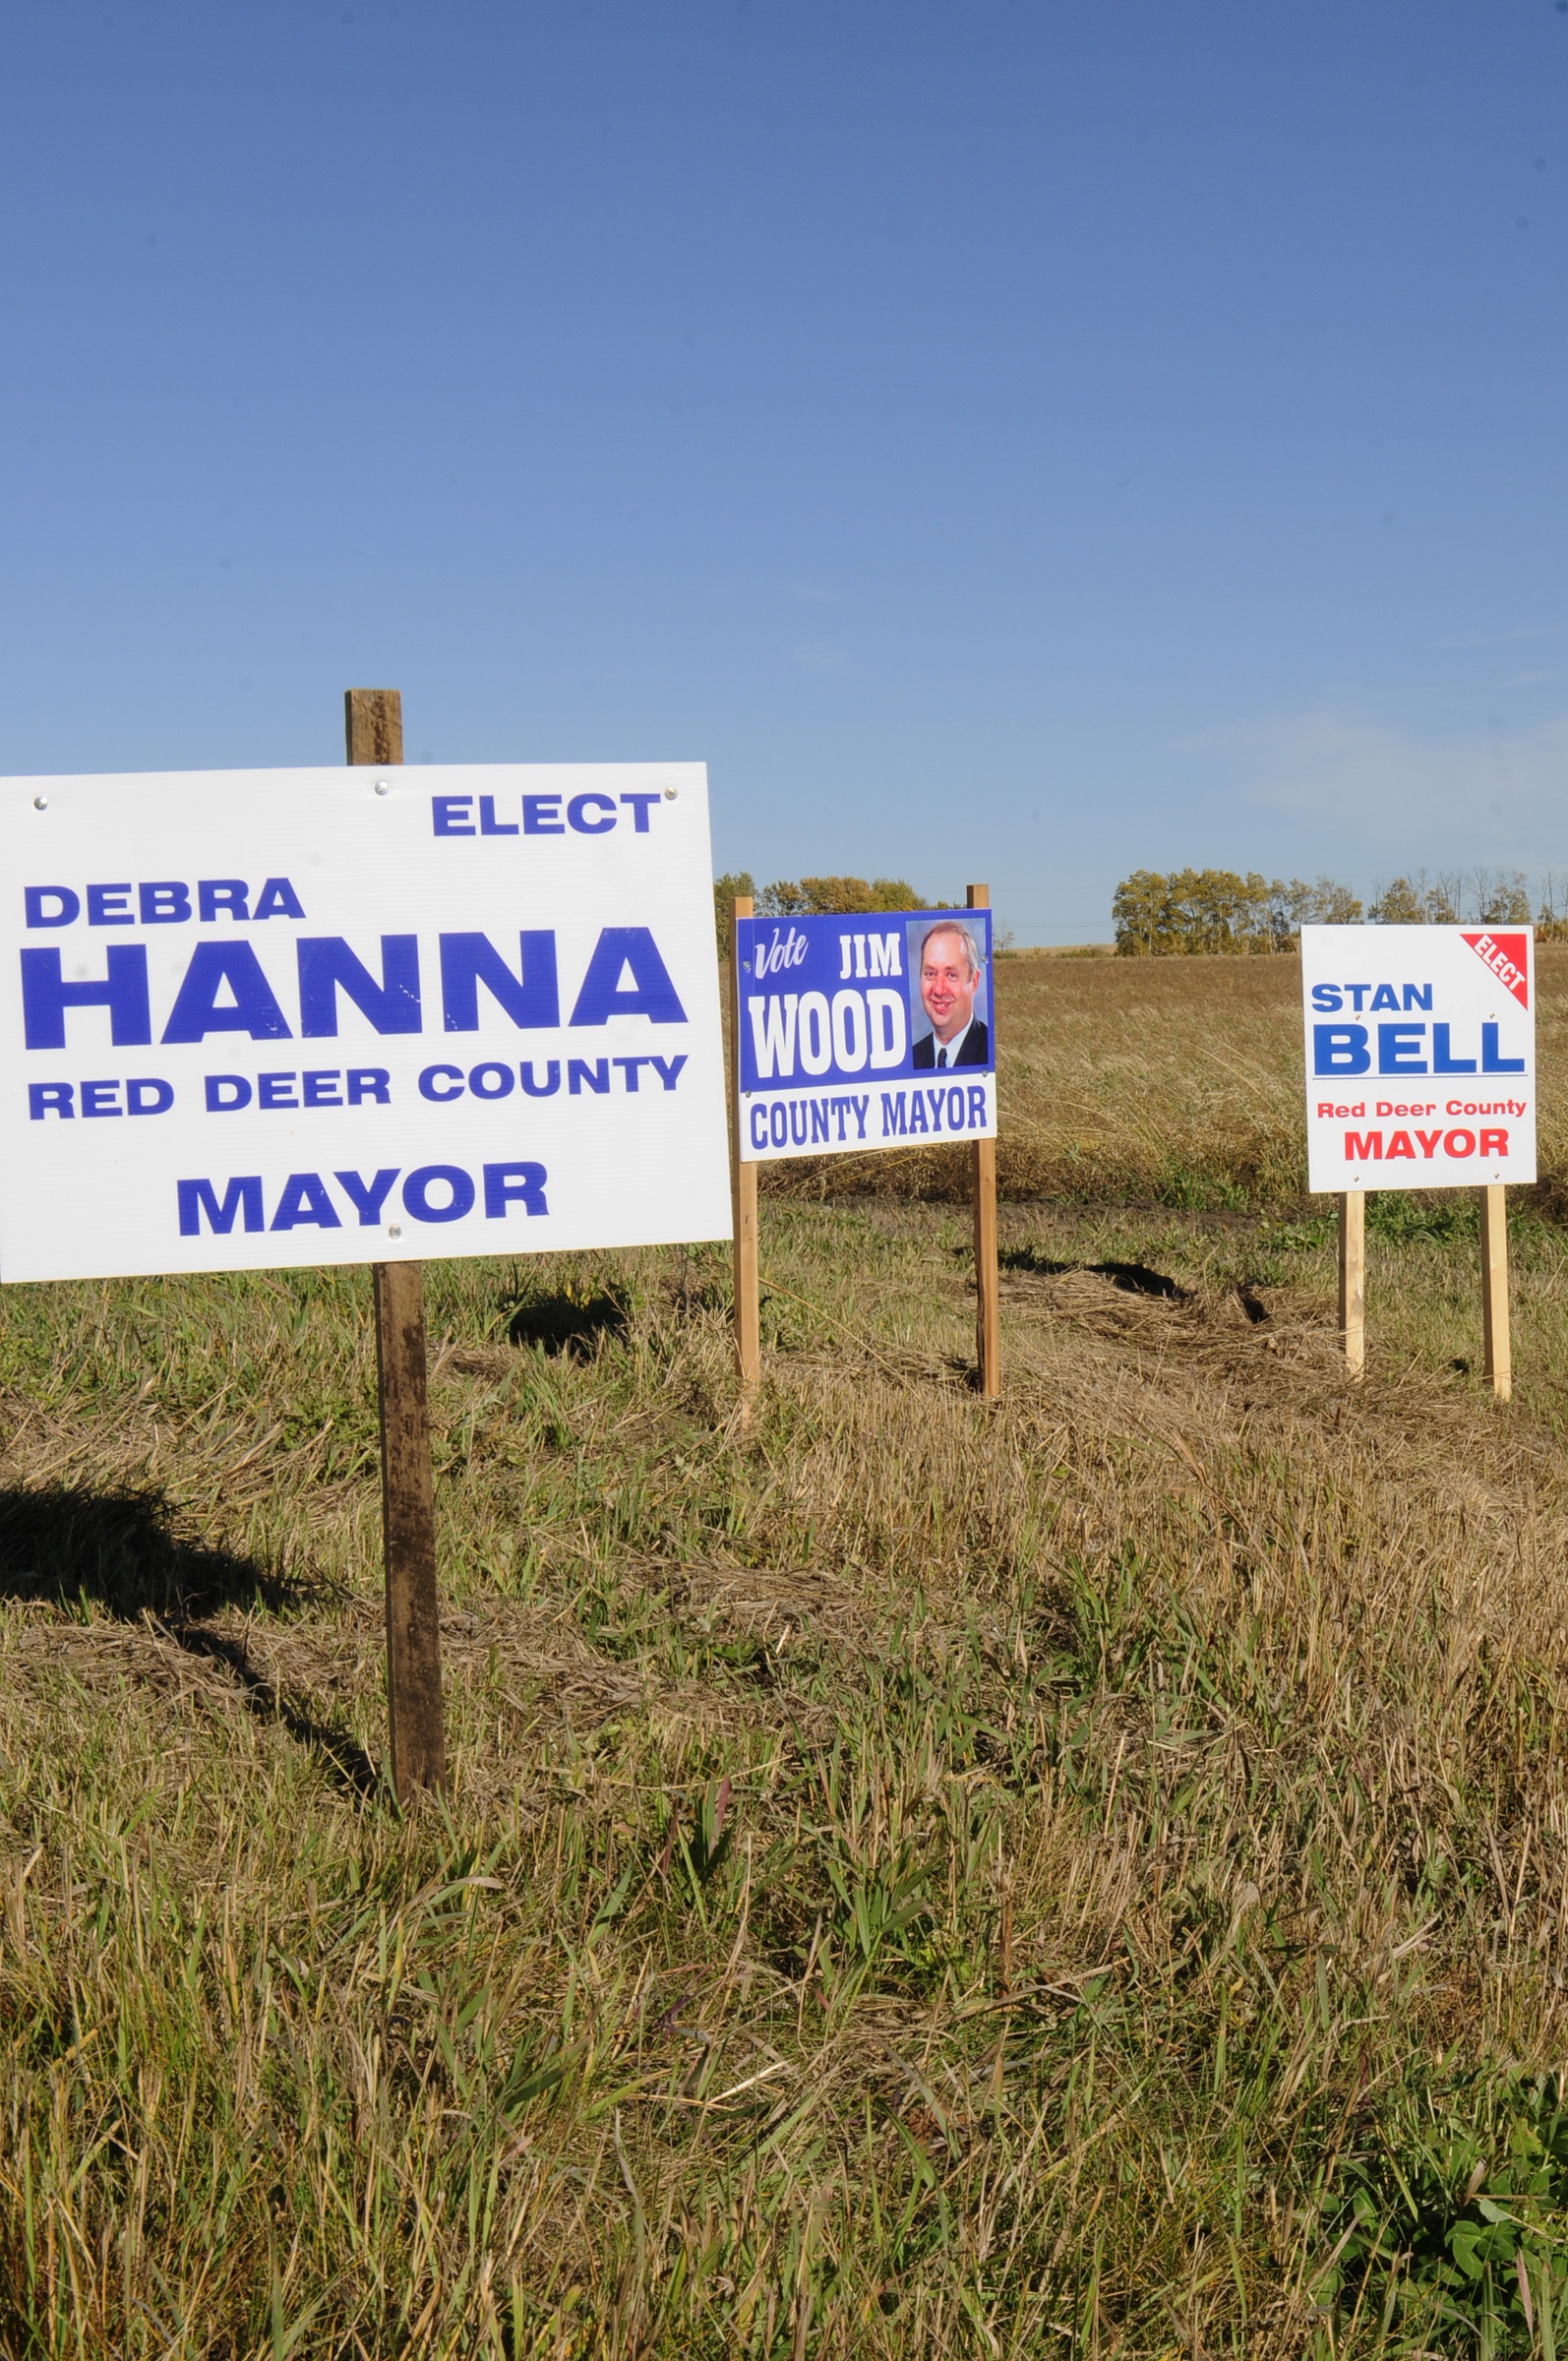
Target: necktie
{"type": "Point", "coordinates": [941, 1057]}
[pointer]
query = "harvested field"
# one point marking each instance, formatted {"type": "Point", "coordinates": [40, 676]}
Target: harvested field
{"type": "Point", "coordinates": [1157, 1081]}
{"type": "Point", "coordinates": [1032, 1879]}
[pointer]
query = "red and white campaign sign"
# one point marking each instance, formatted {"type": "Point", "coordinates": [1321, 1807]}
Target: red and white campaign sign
{"type": "Point", "coordinates": [1421, 1056]}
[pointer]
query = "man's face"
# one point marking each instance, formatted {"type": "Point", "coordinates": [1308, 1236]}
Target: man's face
{"type": "Point", "coordinates": [948, 984]}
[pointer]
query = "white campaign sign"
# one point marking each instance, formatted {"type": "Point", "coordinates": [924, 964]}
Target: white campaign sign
{"type": "Point", "coordinates": [1421, 1056]}
{"type": "Point", "coordinates": [252, 1018]}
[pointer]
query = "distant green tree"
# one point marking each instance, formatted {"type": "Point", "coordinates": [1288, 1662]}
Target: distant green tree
{"type": "Point", "coordinates": [1217, 909]}
{"type": "Point", "coordinates": [1552, 917]}
{"type": "Point", "coordinates": [727, 890]}
{"type": "Point", "coordinates": [1503, 897]}
{"type": "Point", "coordinates": [898, 893]}
{"type": "Point", "coordinates": [1399, 903]}
{"type": "Point", "coordinates": [1416, 901]}
{"type": "Point", "coordinates": [1332, 906]}
{"type": "Point", "coordinates": [1142, 914]}
{"type": "Point", "coordinates": [838, 897]}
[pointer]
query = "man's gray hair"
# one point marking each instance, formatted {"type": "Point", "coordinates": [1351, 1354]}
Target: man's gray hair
{"type": "Point", "coordinates": [952, 926]}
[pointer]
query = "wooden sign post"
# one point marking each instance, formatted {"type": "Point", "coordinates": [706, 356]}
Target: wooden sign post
{"type": "Point", "coordinates": [987, 1284]}
{"type": "Point", "coordinates": [1494, 1290]}
{"type": "Point", "coordinates": [374, 723]}
{"type": "Point", "coordinates": [747, 1276]}
{"type": "Point", "coordinates": [1493, 1286]}
{"type": "Point", "coordinates": [1353, 1280]}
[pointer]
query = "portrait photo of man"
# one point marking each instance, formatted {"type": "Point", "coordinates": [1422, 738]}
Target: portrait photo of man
{"type": "Point", "coordinates": [948, 975]}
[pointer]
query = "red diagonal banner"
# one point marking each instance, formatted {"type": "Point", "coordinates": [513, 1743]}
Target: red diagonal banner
{"type": "Point", "coordinates": [1508, 960]}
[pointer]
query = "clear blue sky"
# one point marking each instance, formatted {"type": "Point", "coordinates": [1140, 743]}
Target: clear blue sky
{"type": "Point", "coordinates": [1005, 441]}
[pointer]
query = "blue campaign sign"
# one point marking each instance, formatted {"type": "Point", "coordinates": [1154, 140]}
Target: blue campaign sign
{"type": "Point", "coordinates": [865, 1032]}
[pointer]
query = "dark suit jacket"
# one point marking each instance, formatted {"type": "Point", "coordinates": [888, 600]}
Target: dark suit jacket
{"type": "Point", "coordinates": [973, 1049]}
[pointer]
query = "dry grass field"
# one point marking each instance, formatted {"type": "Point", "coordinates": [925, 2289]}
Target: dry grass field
{"type": "Point", "coordinates": [1088, 1876]}
{"type": "Point", "coordinates": [1174, 1081]}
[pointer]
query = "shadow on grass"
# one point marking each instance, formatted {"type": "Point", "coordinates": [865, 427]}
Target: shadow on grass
{"type": "Point", "coordinates": [124, 1552]}
{"type": "Point", "coordinates": [347, 1761]}
{"type": "Point", "coordinates": [124, 1549]}
{"type": "Point", "coordinates": [569, 1323]}
{"type": "Point", "coordinates": [1134, 1278]}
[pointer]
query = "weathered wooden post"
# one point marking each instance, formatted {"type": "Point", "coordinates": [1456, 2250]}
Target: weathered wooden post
{"type": "Point", "coordinates": [374, 723]}
{"type": "Point", "coordinates": [1494, 1290]}
{"type": "Point", "coordinates": [987, 1284]}
{"type": "Point", "coordinates": [1353, 1280]}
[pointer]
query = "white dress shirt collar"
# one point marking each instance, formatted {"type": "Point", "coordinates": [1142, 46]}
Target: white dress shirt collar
{"type": "Point", "coordinates": [946, 1052]}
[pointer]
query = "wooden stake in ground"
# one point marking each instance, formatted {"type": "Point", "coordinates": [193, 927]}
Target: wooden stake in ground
{"type": "Point", "coordinates": [374, 723]}
{"type": "Point", "coordinates": [1495, 1291]}
{"type": "Point", "coordinates": [987, 1288]}
{"type": "Point", "coordinates": [1352, 1278]}
{"type": "Point", "coordinates": [743, 1172]}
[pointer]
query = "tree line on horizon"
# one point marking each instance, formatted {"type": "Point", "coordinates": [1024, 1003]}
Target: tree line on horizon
{"type": "Point", "coordinates": [812, 898]}
{"type": "Point", "coordinates": [1191, 911]}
